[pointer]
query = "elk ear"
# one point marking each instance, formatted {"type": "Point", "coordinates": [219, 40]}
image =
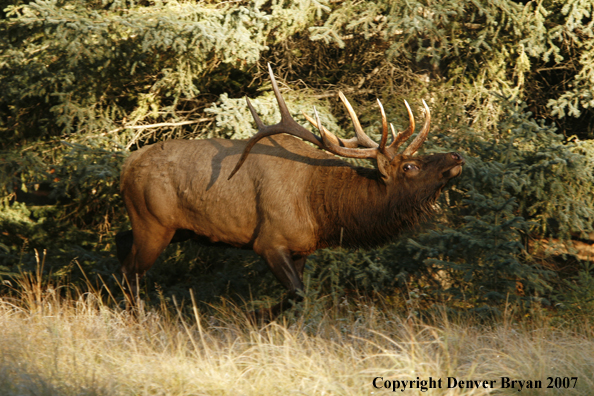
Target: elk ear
{"type": "Point", "coordinates": [383, 165]}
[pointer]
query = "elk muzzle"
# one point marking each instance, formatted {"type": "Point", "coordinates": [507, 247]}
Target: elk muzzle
{"type": "Point", "coordinates": [456, 169]}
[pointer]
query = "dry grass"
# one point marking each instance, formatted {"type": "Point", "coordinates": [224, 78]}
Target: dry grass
{"type": "Point", "coordinates": [51, 345]}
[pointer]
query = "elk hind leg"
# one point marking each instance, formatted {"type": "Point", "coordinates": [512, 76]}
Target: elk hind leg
{"type": "Point", "coordinates": [125, 239]}
{"type": "Point", "coordinates": [147, 245]}
{"type": "Point", "coordinates": [124, 242]}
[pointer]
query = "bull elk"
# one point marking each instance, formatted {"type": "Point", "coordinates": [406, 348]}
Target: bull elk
{"type": "Point", "coordinates": [277, 195]}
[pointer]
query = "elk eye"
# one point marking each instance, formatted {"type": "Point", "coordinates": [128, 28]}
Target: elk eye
{"type": "Point", "coordinates": [410, 167]}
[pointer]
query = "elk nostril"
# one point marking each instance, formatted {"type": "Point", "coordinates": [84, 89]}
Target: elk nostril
{"type": "Point", "coordinates": [456, 156]}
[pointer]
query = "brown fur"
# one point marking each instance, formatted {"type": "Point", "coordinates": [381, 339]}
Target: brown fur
{"type": "Point", "coordinates": [288, 200]}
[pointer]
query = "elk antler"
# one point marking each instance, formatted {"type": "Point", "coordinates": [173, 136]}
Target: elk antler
{"type": "Point", "coordinates": [370, 152]}
{"type": "Point", "coordinates": [286, 125]}
{"type": "Point", "coordinates": [289, 126]}
{"type": "Point", "coordinates": [404, 135]}
{"type": "Point", "coordinates": [328, 141]}
{"type": "Point", "coordinates": [362, 138]}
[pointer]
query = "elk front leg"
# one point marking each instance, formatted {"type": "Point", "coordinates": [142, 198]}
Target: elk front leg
{"type": "Point", "coordinates": [288, 270]}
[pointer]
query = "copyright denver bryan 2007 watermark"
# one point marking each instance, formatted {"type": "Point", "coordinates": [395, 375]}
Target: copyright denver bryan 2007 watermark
{"type": "Point", "coordinates": [424, 385]}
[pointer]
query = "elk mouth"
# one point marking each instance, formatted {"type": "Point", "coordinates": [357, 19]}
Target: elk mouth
{"type": "Point", "coordinates": [453, 172]}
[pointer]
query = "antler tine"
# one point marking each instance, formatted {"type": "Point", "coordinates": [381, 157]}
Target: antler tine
{"type": "Point", "coordinates": [393, 133]}
{"type": "Point", "coordinates": [343, 151]}
{"type": "Point", "coordinates": [255, 115]}
{"type": "Point", "coordinates": [422, 136]}
{"type": "Point", "coordinates": [352, 142]}
{"type": "Point", "coordinates": [364, 140]}
{"type": "Point", "coordinates": [403, 136]}
{"type": "Point", "coordinates": [382, 145]}
{"type": "Point", "coordinates": [284, 110]}
{"type": "Point", "coordinates": [323, 131]}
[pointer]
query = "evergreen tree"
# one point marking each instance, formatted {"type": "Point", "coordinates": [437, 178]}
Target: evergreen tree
{"type": "Point", "coordinates": [510, 86]}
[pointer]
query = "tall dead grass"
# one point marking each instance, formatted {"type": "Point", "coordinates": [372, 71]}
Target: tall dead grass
{"type": "Point", "coordinates": [52, 345]}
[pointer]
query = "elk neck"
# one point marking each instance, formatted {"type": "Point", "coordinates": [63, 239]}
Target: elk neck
{"type": "Point", "coordinates": [354, 208]}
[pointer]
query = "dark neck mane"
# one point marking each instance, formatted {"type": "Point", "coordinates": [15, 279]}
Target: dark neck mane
{"type": "Point", "coordinates": [353, 208]}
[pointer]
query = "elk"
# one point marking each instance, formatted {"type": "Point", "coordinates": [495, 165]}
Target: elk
{"type": "Point", "coordinates": [277, 195]}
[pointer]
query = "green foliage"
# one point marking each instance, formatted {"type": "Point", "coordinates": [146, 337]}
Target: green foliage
{"type": "Point", "coordinates": [500, 45]}
{"type": "Point", "coordinates": [577, 297]}
{"type": "Point", "coordinates": [90, 67]}
{"type": "Point", "coordinates": [84, 82]}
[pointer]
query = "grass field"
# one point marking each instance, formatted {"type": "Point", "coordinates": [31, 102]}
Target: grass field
{"type": "Point", "coordinates": [79, 345]}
